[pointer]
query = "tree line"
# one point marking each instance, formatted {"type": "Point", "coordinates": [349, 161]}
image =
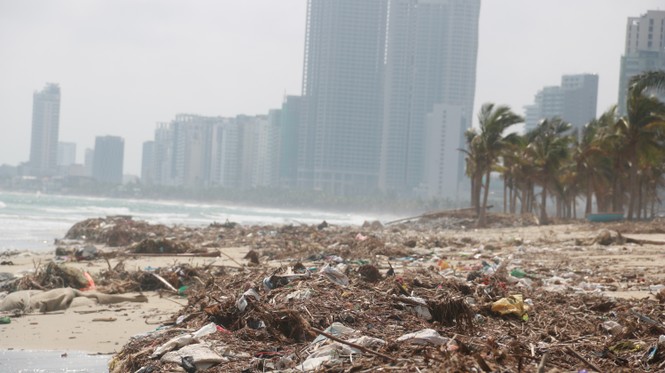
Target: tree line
{"type": "Point", "coordinates": [616, 160]}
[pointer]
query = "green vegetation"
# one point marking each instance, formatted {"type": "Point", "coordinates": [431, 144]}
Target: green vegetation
{"type": "Point", "coordinates": [618, 160]}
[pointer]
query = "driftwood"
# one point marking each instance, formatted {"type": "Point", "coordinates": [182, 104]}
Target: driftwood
{"type": "Point", "coordinates": [436, 214]}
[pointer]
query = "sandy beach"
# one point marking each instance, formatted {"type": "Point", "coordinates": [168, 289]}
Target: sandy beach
{"type": "Point", "coordinates": [573, 279]}
{"type": "Point", "coordinates": [87, 326]}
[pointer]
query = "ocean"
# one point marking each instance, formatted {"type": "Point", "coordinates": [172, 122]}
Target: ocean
{"type": "Point", "coordinates": [31, 221]}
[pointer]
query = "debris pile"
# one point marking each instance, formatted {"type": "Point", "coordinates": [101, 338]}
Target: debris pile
{"type": "Point", "coordinates": [421, 295]}
{"type": "Point", "coordinates": [342, 304]}
{"type": "Point", "coordinates": [113, 231]}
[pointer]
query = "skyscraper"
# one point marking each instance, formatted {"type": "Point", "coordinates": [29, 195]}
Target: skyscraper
{"type": "Point", "coordinates": [290, 119]}
{"type": "Point", "coordinates": [108, 159]}
{"type": "Point", "coordinates": [45, 127]}
{"type": "Point", "coordinates": [431, 52]}
{"type": "Point", "coordinates": [342, 88]}
{"type": "Point", "coordinates": [580, 98]}
{"type": "Point", "coordinates": [66, 153]}
{"type": "Point", "coordinates": [148, 163]}
{"type": "Point", "coordinates": [192, 153]}
{"type": "Point", "coordinates": [574, 101]}
{"type": "Point", "coordinates": [645, 50]}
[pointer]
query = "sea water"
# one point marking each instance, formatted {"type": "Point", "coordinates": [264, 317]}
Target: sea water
{"type": "Point", "coordinates": [51, 362]}
{"type": "Point", "coordinates": [32, 220]}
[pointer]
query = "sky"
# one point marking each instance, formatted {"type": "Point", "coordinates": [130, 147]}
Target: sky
{"type": "Point", "coordinates": [125, 65]}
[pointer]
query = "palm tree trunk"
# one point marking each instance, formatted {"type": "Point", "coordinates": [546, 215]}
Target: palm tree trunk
{"type": "Point", "coordinates": [640, 196]}
{"type": "Point", "coordinates": [543, 206]}
{"type": "Point", "coordinates": [482, 217]}
{"type": "Point", "coordinates": [505, 196]}
{"type": "Point", "coordinates": [589, 198]}
{"type": "Point", "coordinates": [478, 184]}
{"type": "Point", "coordinates": [632, 188]}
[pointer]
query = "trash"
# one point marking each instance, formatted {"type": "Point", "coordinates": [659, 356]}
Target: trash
{"type": "Point", "coordinates": [518, 273]}
{"type": "Point", "coordinates": [627, 346]}
{"type": "Point", "coordinates": [241, 303]}
{"type": "Point", "coordinates": [612, 327]}
{"type": "Point", "coordinates": [650, 354]}
{"type": "Point", "coordinates": [442, 264]}
{"type": "Point", "coordinates": [417, 306]}
{"type": "Point", "coordinates": [656, 288]}
{"type": "Point", "coordinates": [205, 330]}
{"type": "Point", "coordinates": [513, 304]}
{"type": "Point", "coordinates": [91, 282]}
{"type": "Point", "coordinates": [5, 320]}
{"type": "Point", "coordinates": [259, 330]}
{"type": "Point", "coordinates": [338, 330]}
{"type": "Point", "coordinates": [423, 337]}
{"type": "Point", "coordinates": [301, 294]}
{"type": "Point", "coordinates": [88, 252]}
{"type": "Point", "coordinates": [172, 344]}
{"type": "Point", "coordinates": [200, 355]}
{"type": "Point", "coordinates": [184, 340]}
{"type": "Point", "coordinates": [166, 283]}
{"type": "Point", "coordinates": [324, 350]}
{"type": "Point", "coordinates": [334, 275]}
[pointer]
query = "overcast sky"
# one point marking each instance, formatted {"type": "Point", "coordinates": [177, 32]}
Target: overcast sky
{"type": "Point", "coordinates": [124, 65]}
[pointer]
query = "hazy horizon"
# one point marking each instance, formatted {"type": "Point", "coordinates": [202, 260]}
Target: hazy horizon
{"type": "Point", "coordinates": [125, 65]}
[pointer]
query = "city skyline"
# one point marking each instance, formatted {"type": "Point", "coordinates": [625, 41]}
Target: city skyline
{"type": "Point", "coordinates": [91, 66]}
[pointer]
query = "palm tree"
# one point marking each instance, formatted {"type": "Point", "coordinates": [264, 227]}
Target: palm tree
{"type": "Point", "coordinates": [473, 166]}
{"type": "Point", "coordinates": [494, 121]}
{"type": "Point", "coordinates": [548, 148]}
{"type": "Point", "coordinates": [648, 80]}
{"type": "Point", "coordinates": [590, 154]}
{"type": "Point", "coordinates": [642, 134]}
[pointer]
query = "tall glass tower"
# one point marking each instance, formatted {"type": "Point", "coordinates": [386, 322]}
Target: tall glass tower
{"type": "Point", "coordinates": [45, 126]}
{"type": "Point", "coordinates": [431, 52]}
{"type": "Point", "coordinates": [340, 136]}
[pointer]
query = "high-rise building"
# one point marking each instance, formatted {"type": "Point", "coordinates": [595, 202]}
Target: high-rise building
{"type": "Point", "coordinates": [192, 153]}
{"type": "Point", "coordinates": [644, 51]}
{"type": "Point", "coordinates": [290, 119]}
{"type": "Point", "coordinates": [88, 161]}
{"type": "Point", "coordinates": [259, 150]}
{"type": "Point", "coordinates": [580, 99]}
{"type": "Point", "coordinates": [444, 164]}
{"type": "Point", "coordinates": [66, 153]}
{"type": "Point", "coordinates": [342, 86]}
{"type": "Point", "coordinates": [431, 52]}
{"type": "Point", "coordinates": [108, 159]}
{"type": "Point", "coordinates": [148, 163]}
{"type": "Point", "coordinates": [574, 101]}
{"type": "Point", "coordinates": [163, 154]}
{"type": "Point", "coordinates": [45, 127]}
{"type": "Point", "coordinates": [227, 153]}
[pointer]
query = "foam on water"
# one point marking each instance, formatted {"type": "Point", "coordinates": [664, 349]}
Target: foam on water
{"type": "Point", "coordinates": [33, 221]}
{"type": "Point", "coordinates": [51, 362]}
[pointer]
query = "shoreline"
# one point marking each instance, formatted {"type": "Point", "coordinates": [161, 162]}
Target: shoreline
{"type": "Point", "coordinates": [92, 328]}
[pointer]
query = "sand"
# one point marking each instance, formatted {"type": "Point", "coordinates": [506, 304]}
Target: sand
{"type": "Point", "coordinates": [105, 329]}
{"type": "Point", "coordinates": [92, 328]}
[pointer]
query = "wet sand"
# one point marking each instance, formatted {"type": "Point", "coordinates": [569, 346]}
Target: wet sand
{"type": "Point", "coordinates": [92, 328]}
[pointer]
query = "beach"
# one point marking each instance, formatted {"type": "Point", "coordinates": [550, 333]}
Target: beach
{"type": "Point", "coordinates": [89, 327]}
{"type": "Point", "coordinates": [574, 283]}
